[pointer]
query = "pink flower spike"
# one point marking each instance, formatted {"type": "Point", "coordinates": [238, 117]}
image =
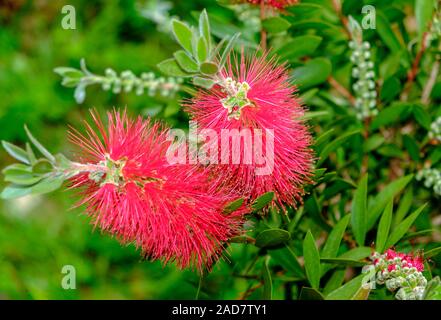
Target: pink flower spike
{"type": "Point", "coordinates": [255, 96]}
{"type": "Point", "coordinates": [131, 191]}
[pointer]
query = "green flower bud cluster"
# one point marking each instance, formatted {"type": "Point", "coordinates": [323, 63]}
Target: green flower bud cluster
{"type": "Point", "coordinates": [148, 82]}
{"type": "Point", "coordinates": [435, 130]}
{"type": "Point", "coordinates": [237, 97]}
{"type": "Point", "coordinates": [432, 179]}
{"type": "Point", "coordinates": [364, 87]}
{"type": "Point", "coordinates": [400, 273]}
{"type": "Point", "coordinates": [127, 81]}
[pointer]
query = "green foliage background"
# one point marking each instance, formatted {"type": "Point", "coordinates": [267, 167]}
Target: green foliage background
{"type": "Point", "coordinates": [38, 235]}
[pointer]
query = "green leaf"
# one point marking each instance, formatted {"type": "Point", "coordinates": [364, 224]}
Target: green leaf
{"type": "Point", "coordinates": [286, 258]}
{"type": "Point", "coordinates": [22, 177]}
{"type": "Point", "coordinates": [30, 153]}
{"type": "Point", "coordinates": [13, 191]}
{"type": "Point", "coordinates": [312, 260]}
{"type": "Point", "coordinates": [39, 146]}
{"type": "Point", "coordinates": [48, 184]}
{"type": "Point", "coordinates": [186, 62]}
{"type": "Point", "coordinates": [267, 281]}
{"type": "Point", "coordinates": [433, 289]}
{"type": "Point", "coordinates": [421, 116]}
{"type": "Point", "coordinates": [391, 115]}
{"type": "Point", "coordinates": [209, 68]}
{"type": "Point", "coordinates": [233, 206]}
{"type": "Point", "coordinates": [227, 49]}
{"type": "Point", "coordinates": [386, 33]}
{"type": "Point", "coordinates": [171, 67]}
{"type": "Point", "coordinates": [16, 152]}
{"type": "Point", "coordinates": [203, 82]}
{"type": "Point", "coordinates": [69, 72]}
{"type": "Point", "coordinates": [204, 29]}
{"type": "Point", "coordinates": [383, 198]}
{"type": "Point", "coordinates": [332, 244]}
{"type": "Point", "coordinates": [183, 34]}
{"type": "Point", "coordinates": [348, 290]}
{"type": "Point", "coordinates": [423, 14]}
{"type": "Point", "coordinates": [404, 206]}
{"type": "Point", "coordinates": [262, 201]}
{"type": "Point", "coordinates": [401, 229]}
{"type": "Point", "coordinates": [272, 238]}
{"type": "Point", "coordinates": [432, 253]}
{"type": "Point", "coordinates": [357, 253]}
{"type": "Point", "coordinates": [333, 145]}
{"type": "Point", "coordinates": [299, 47]}
{"type": "Point", "coordinates": [314, 72]}
{"type": "Point", "coordinates": [344, 262]}
{"type": "Point", "coordinates": [310, 294]}
{"type": "Point", "coordinates": [359, 211]}
{"type": "Point", "coordinates": [312, 208]}
{"type": "Point", "coordinates": [202, 49]}
{"type": "Point", "coordinates": [384, 227]}
{"type": "Point", "coordinates": [412, 147]}
{"type": "Point", "coordinates": [335, 281]}
{"type": "Point", "coordinates": [275, 24]}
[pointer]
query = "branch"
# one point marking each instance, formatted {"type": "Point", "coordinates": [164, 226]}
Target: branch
{"type": "Point", "coordinates": [342, 90]}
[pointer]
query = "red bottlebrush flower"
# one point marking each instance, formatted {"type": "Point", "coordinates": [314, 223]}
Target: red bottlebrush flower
{"type": "Point", "coordinates": [256, 99]}
{"type": "Point", "coordinates": [277, 4]}
{"type": "Point", "coordinates": [132, 192]}
{"type": "Point", "coordinates": [408, 260]}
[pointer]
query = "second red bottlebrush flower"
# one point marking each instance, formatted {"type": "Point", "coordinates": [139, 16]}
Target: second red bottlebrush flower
{"type": "Point", "coordinates": [255, 97]}
{"type": "Point", "coordinates": [132, 192]}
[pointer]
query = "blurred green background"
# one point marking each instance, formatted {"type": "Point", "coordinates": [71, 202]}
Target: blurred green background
{"type": "Point", "coordinates": [39, 235]}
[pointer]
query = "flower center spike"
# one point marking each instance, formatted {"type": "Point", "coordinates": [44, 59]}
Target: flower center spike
{"type": "Point", "coordinates": [236, 98]}
{"type": "Point", "coordinates": [111, 174]}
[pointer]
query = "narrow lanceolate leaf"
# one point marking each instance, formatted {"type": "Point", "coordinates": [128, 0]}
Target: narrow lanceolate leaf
{"type": "Point", "coordinates": [202, 49]}
{"type": "Point", "coordinates": [400, 230]}
{"type": "Point", "coordinates": [404, 206]}
{"type": "Point", "coordinates": [384, 227]}
{"type": "Point", "coordinates": [263, 201]}
{"type": "Point", "coordinates": [286, 258]}
{"type": "Point", "coordinates": [39, 146]}
{"type": "Point", "coordinates": [204, 28]}
{"type": "Point", "coordinates": [348, 290]}
{"type": "Point", "coordinates": [432, 253]}
{"type": "Point", "coordinates": [423, 14]}
{"type": "Point", "coordinates": [233, 206]}
{"type": "Point", "coordinates": [359, 211]}
{"type": "Point", "coordinates": [332, 244]}
{"type": "Point", "coordinates": [267, 281]}
{"type": "Point", "coordinates": [183, 34]}
{"type": "Point", "coordinates": [186, 62]}
{"type": "Point", "coordinates": [343, 262]}
{"type": "Point", "coordinates": [272, 238]}
{"type": "Point", "coordinates": [227, 49]}
{"type": "Point", "coordinates": [312, 260]}
{"type": "Point", "coordinates": [383, 198]}
{"type": "Point", "coordinates": [333, 145]}
{"type": "Point", "coordinates": [16, 152]}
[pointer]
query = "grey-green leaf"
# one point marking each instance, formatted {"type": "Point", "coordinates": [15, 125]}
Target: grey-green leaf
{"type": "Point", "coordinates": [186, 62]}
{"type": "Point", "coordinates": [39, 146]}
{"type": "Point", "coordinates": [16, 152]}
{"type": "Point", "coordinates": [183, 34]}
{"type": "Point", "coordinates": [204, 28]}
{"type": "Point", "coordinates": [171, 67]}
{"type": "Point", "coordinates": [267, 281]}
{"type": "Point", "coordinates": [209, 68]}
